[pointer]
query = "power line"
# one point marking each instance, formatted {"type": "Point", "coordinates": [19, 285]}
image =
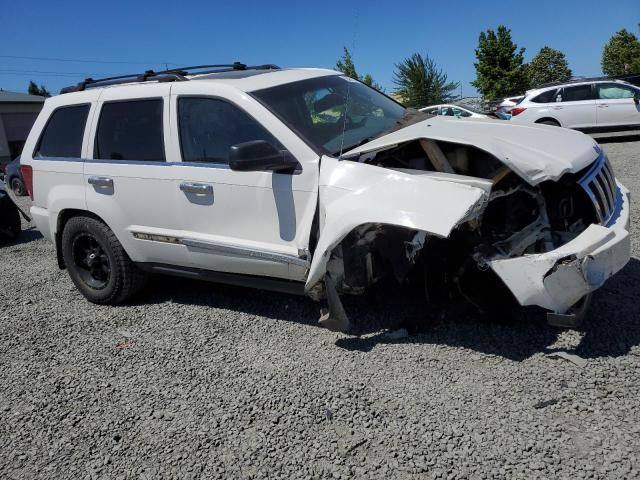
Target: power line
{"type": "Point", "coordinates": [52, 59]}
{"type": "Point", "coordinates": [41, 72]}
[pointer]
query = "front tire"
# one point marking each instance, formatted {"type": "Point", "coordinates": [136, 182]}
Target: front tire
{"type": "Point", "coordinates": [97, 264]}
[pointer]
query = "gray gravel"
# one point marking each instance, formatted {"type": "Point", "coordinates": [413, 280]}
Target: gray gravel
{"type": "Point", "coordinates": [204, 381]}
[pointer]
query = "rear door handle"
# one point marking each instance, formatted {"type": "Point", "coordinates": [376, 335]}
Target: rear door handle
{"type": "Point", "coordinates": [603, 105]}
{"type": "Point", "coordinates": [101, 182]}
{"type": "Point", "coordinates": [197, 188]}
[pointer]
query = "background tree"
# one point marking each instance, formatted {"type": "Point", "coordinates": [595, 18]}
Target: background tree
{"type": "Point", "coordinates": [500, 69]}
{"type": "Point", "coordinates": [420, 82]}
{"type": "Point", "coordinates": [345, 65]}
{"type": "Point", "coordinates": [621, 54]}
{"type": "Point", "coordinates": [549, 65]}
{"type": "Point", "coordinates": [37, 90]}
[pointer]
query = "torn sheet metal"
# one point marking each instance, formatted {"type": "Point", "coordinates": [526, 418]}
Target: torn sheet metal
{"type": "Point", "coordinates": [354, 194]}
{"type": "Point", "coordinates": [556, 280]}
{"type": "Point", "coordinates": [517, 146]}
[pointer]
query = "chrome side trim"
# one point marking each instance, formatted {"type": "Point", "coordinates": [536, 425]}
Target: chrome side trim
{"type": "Point", "coordinates": [155, 238]}
{"type": "Point", "coordinates": [225, 249]}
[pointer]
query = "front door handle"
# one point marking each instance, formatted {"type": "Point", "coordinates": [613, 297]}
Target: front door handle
{"type": "Point", "coordinates": [197, 188]}
{"type": "Point", "coordinates": [603, 105]}
{"type": "Point", "coordinates": [101, 182]}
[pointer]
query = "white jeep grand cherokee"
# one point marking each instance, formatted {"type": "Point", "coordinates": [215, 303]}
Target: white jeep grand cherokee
{"type": "Point", "coordinates": [304, 180]}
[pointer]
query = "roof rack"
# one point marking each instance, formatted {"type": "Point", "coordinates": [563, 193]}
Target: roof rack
{"type": "Point", "coordinates": [170, 75]}
{"type": "Point", "coordinates": [578, 80]}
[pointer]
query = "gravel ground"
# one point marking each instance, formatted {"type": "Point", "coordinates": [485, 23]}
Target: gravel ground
{"type": "Point", "coordinates": [204, 381]}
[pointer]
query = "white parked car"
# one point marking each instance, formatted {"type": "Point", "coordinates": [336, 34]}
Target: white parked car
{"type": "Point", "coordinates": [448, 110]}
{"type": "Point", "coordinates": [597, 105]}
{"type": "Point", "coordinates": [304, 180]}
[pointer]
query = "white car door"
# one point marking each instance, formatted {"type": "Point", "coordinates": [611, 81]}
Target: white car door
{"type": "Point", "coordinates": [616, 106]}
{"type": "Point", "coordinates": [247, 222]}
{"type": "Point", "coordinates": [577, 106]}
{"type": "Point", "coordinates": [128, 181]}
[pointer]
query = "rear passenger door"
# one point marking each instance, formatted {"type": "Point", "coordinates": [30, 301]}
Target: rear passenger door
{"type": "Point", "coordinates": [128, 181]}
{"type": "Point", "coordinates": [615, 105]}
{"type": "Point", "coordinates": [577, 106]}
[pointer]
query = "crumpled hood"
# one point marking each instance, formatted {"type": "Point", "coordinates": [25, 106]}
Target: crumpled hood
{"type": "Point", "coordinates": [535, 152]}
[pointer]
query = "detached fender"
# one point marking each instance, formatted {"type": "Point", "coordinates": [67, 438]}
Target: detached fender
{"type": "Point", "coordinates": [354, 194]}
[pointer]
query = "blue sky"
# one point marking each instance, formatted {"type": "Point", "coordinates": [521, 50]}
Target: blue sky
{"type": "Point", "coordinates": [291, 33]}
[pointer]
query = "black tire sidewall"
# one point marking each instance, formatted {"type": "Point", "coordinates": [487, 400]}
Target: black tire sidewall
{"type": "Point", "coordinates": [84, 225]}
{"type": "Point", "coordinates": [20, 184]}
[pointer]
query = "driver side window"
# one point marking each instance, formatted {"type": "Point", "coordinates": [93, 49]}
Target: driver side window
{"type": "Point", "coordinates": [209, 127]}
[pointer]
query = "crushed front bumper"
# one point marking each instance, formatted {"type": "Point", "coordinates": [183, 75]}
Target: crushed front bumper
{"type": "Point", "coordinates": [558, 279]}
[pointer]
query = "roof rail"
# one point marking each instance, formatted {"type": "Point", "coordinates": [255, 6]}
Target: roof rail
{"type": "Point", "coordinates": [577, 80]}
{"type": "Point", "coordinates": [147, 76]}
{"type": "Point", "coordinates": [170, 75]}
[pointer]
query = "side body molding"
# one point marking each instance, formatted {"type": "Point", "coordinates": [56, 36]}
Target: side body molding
{"type": "Point", "coordinates": [354, 194]}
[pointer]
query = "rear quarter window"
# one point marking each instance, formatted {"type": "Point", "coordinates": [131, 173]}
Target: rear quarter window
{"type": "Point", "coordinates": [545, 97]}
{"type": "Point", "coordinates": [62, 136]}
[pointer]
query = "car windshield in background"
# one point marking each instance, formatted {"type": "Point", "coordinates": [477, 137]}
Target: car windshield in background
{"type": "Point", "coordinates": [321, 109]}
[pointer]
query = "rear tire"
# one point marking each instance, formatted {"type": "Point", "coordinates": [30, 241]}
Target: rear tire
{"type": "Point", "coordinates": [98, 265]}
{"type": "Point", "coordinates": [552, 123]}
{"type": "Point", "coordinates": [18, 187]}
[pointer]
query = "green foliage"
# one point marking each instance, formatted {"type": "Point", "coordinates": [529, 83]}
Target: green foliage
{"type": "Point", "coordinates": [345, 65]}
{"type": "Point", "coordinates": [420, 82]}
{"type": "Point", "coordinates": [500, 69]}
{"type": "Point", "coordinates": [37, 90]}
{"type": "Point", "coordinates": [621, 54]}
{"type": "Point", "coordinates": [549, 65]}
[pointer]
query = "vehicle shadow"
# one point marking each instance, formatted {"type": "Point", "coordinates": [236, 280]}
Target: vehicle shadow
{"type": "Point", "coordinates": [611, 330]}
{"type": "Point", "coordinates": [26, 236]}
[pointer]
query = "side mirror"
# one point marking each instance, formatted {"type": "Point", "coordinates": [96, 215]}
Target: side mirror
{"type": "Point", "coordinates": [258, 155]}
{"type": "Point", "coordinates": [636, 98]}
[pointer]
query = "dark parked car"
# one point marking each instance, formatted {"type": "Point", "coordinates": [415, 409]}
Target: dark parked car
{"type": "Point", "coordinates": [13, 178]}
{"type": "Point", "coordinates": [9, 217]}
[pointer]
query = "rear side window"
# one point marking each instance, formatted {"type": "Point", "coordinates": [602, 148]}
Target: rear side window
{"type": "Point", "coordinates": [209, 127]}
{"type": "Point", "coordinates": [130, 130]}
{"type": "Point", "coordinates": [577, 93]}
{"type": "Point", "coordinates": [62, 136]}
{"type": "Point", "coordinates": [612, 91]}
{"type": "Point", "coordinates": [545, 97]}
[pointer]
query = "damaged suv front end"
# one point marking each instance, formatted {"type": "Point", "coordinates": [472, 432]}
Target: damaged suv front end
{"type": "Point", "coordinates": [480, 210]}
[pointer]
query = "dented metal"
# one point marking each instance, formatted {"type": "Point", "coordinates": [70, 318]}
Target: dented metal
{"type": "Point", "coordinates": [500, 205]}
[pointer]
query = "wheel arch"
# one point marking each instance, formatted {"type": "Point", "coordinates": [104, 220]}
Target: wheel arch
{"type": "Point", "coordinates": [548, 119]}
{"type": "Point", "coordinates": [63, 217]}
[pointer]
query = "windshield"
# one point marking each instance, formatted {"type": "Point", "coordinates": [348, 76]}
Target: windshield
{"type": "Point", "coordinates": [320, 109]}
